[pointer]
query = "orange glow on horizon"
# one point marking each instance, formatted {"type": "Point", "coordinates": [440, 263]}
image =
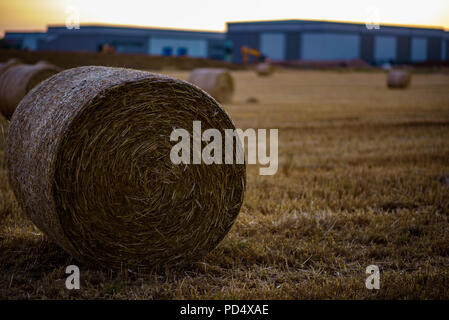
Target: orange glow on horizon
{"type": "Point", "coordinates": [31, 15]}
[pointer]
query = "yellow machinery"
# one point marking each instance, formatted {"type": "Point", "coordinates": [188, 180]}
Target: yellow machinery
{"type": "Point", "coordinates": [248, 52]}
{"type": "Point", "coordinates": [107, 49]}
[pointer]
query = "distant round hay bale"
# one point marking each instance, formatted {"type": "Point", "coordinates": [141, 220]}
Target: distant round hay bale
{"type": "Point", "coordinates": [17, 80]}
{"type": "Point", "coordinates": [5, 65]}
{"type": "Point", "coordinates": [88, 157]}
{"type": "Point", "coordinates": [398, 79]}
{"type": "Point", "coordinates": [217, 82]}
{"type": "Point", "coordinates": [43, 63]}
{"type": "Point", "coordinates": [252, 100]}
{"type": "Point", "coordinates": [264, 69]}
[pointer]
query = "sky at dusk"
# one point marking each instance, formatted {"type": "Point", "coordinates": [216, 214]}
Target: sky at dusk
{"type": "Point", "coordinates": [27, 15]}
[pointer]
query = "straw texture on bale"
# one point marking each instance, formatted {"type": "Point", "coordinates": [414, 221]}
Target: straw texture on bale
{"type": "Point", "coordinates": [217, 82]}
{"type": "Point", "coordinates": [398, 79]}
{"type": "Point", "coordinates": [88, 157]}
{"type": "Point", "coordinates": [264, 69]}
{"type": "Point", "coordinates": [18, 80]}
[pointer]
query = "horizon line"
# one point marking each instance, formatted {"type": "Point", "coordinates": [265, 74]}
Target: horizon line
{"type": "Point", "coordinates": [130, 26]}
{"type": "Point", "coordinates": [385, 24]}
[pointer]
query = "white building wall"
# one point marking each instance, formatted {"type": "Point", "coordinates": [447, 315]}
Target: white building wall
{"type": "Point", "coordinates": [329, 46]}
{"type": "Point", "coordinates": [272, 45]}
{"type": "Point", "coordinates": [127, 48]}
{"type": "Point", "coordinates": [195, 47]}
{"type": "Point", "coordinates": [419, 49]}
{"type": "Point", "coordinates": [385, 48]}
{"type": "Point", "coordinates": [30, 43]}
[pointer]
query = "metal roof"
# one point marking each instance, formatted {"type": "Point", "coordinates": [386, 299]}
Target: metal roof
{"type": "Point", "coordinates": [318, 25]}
{"type": "Point", "coordinates": [135, 31]}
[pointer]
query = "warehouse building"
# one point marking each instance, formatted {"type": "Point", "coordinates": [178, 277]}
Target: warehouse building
{"type": "Point", "coordinates": [151, 41]}
{"type": "Point", "coordinates": [321, 41]}
{"type": "Point", "coordinates": [24, 40]}
{"type": "Point", "coordinates": [279, 40]}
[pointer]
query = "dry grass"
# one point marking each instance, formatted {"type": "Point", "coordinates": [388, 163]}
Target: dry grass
{"type": "Point", "coordinates": [362, 180]}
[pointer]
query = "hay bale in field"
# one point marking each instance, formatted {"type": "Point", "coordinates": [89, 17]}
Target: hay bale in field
{"type": "Point", "coordinates": [264, 69]}
{"type": "Point", "coordinates": [88, 157]}
{"type": "Point", "coordinates": [252, 100]}
{"type": "Point", "coordinates": [217, 82]}
{"type": "Point", "coordinates": [17, 80]}
{"type": "Point", "coordinates": [398, 79]}
{"type": "Point", "coordinates": [43, 63]}
{"type": "Point", "coordinates": [5, 65]}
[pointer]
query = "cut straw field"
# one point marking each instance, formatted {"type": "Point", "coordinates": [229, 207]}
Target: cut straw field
{"type": "Point", "coordinates": [363, 180]}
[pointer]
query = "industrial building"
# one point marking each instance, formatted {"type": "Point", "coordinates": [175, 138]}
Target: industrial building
{"type": "Point", "coordinates": [321, 41]}
{"type": "Point", "coordinates": [279, 40]}
{"type": "Point", "coordinates": [151, 41]}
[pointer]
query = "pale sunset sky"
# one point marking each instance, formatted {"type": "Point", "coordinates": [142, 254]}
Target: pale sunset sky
{"type": "Point", "coordinates": [27, 15]}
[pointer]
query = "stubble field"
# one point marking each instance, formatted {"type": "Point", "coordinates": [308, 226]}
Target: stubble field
{"type": "Point", "coordinates": [363, 180]}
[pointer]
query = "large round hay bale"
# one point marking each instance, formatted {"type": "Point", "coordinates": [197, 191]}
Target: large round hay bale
{"type": "Point", "coordinates": [18, 80]}
{"type": "Point", "coordinates": [88, 157]}
{"type": "Point", "coordinates": [264, 69]}
{"type": "Point", "coordinates": [398, 79]}
{"type": "Point", "coordinates": [217, 82]}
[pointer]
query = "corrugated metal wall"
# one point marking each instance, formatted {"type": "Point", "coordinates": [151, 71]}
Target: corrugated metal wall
{"type": "Point", "coordinates": [447, 50]}
{"type": "Point", "coordinates": [272, 45]}
{"type": "Point", "coordinates": [443, 50]}
{"type": "Point", "coordinates": [329, 46]}
{"type": "Point", "coordinates": [30, 43]}
{"type": "Point", "coordinates": [419, 49]}
{"type": "Point", "coordinates": [279, 40]}
{"type": "Point", "coordinates": [403, 49]}
{"type": "Point", "coordinates": [192, 47]}
{"type": "Point", "coordinates": [319, 40]}
{"type": "Point", "coordinates": [434, 48]}
{"type": "Point", "coordinates": [239, 39]}
{"type": "Point", "coordinates": [93, 43]}
{"type": "Point", "coordinates": [384, 49]}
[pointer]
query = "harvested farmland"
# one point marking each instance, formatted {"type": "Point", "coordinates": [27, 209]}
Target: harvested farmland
{"type": "Point", "coordinates": [361, 181]}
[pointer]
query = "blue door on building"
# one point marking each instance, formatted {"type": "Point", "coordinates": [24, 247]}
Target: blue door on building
{"type": "Point", "coordinates": [182, 51]}
{"type": "Point", "coordinates": [167, 51]}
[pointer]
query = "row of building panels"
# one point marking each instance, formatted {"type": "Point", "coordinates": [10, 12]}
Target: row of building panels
{"type": "Point", "coordinates": [124, 40]}
{"type": "Point", "coordinates": [321, 41]}
{"type": "Point", "coordinates": [316, 46]}
{"type": "Point", "coordinates": [278, 40]}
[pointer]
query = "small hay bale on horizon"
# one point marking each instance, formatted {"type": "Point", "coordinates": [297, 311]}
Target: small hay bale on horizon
{"type": "Point", "coordinates": [265, 69]}
{"type": "Point", "coordinates": [398, 79]}
{"type": "Point", "coordinates": [17, 80]}
{"type": "Point", "coordinates": [219, 83]}
{"type": "Point", "coordinates": [88, 158]}
{"type": "Point", "coordinates": [252, 100]}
